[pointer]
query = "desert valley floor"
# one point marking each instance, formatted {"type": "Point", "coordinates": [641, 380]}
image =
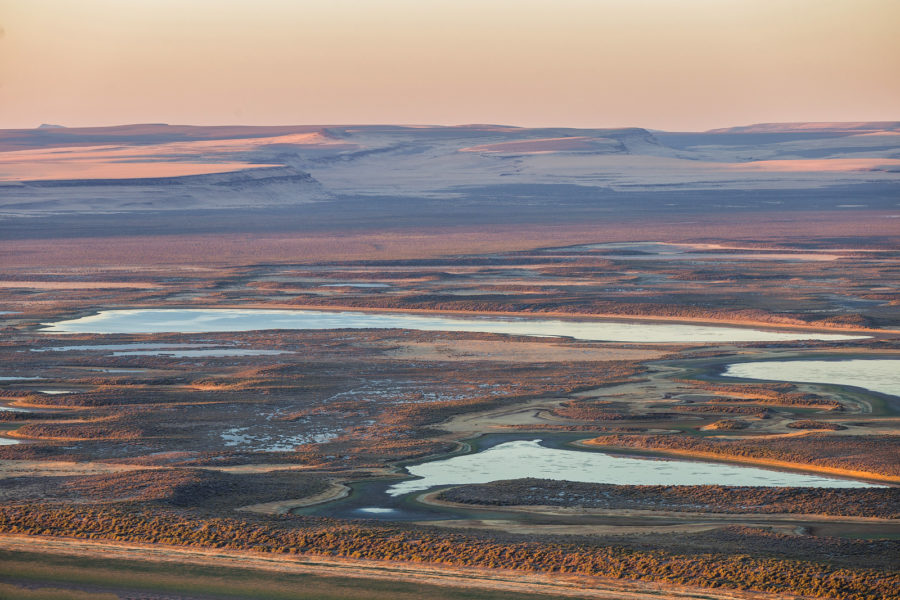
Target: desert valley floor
{"type": "Point", "coordinates": [613, 364]}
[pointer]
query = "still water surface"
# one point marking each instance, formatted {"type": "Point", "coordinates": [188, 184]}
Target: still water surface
{"type": "Point", "coordinates": [878, 375]}
{"type": "Point", "coordinates": [213, 320]}
{"type": "Point", "coordinates": [527, 458]}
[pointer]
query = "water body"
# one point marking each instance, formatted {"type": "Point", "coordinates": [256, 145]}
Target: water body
{"type": "Point", "coordinates": [691, 252]}
{"type": "Point", "coordinates": [878, 375]}
{"type": "Point", "coordinates": [374, 499]}
{"type": "Point", "coordinates": [527, 458]}
{"type": "Point", "coordinates": [138, 321]}
{"type": "Point", "coordinates": [201, 353]}
{"type": "Point", "coordinates": [170, 350]}
{"type": "Point", "coordinates": [356, 285]}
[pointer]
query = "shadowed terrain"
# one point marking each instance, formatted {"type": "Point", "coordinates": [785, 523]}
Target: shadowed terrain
{"type": "Point", "coordinates": [275, 448]}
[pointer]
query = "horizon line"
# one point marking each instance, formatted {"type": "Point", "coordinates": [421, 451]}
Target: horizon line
{"type": "Point", "coordinates": [822, 124]}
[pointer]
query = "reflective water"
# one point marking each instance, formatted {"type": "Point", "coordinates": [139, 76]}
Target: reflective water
{"type": "Point", "coordinates": [878, 375]}
{"type": "Point", "coordinates": [115, 347]}
{"type": "Point", "coordinates": [213, 320]}
{"type": "Point", "coordinates": [162, 349]}
{"type": "Point", "coordinates": [356, 285]}
{"type": "Point", "coordinates": [527, 458]}
{"type": "Point", "coordinates": [201, 353]}
{"type": "Point", "coordinates": [693, 252]}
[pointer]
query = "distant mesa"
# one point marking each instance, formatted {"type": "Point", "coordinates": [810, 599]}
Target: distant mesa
{"type": "Point", "coordinates": [50, 126]}
{"type": "Point", "coordinates": [156, 167]}
{"type": "Point", "coordinates": [563, 144]}
{"type": "Point", "coordinates": [488, 127]}
{"type": "Point", "coordinates": [812, 127]}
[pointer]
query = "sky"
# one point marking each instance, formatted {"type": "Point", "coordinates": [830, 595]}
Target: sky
{"type": "Point", "coordinates": [682, 65]}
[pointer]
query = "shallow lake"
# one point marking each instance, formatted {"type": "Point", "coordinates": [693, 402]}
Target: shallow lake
{"type": "Point", "coordinates": [878, 375]}
{"type": "Point", "coordinates": [213, 320]}
{"type": "Point", "coordinates": [169, 350]}
{"type": "Point", "coordinates": [356, 285]}
{"type": "Point", "coordinates": [528, 458]}
{"type": "Point", "coordinates": [693, 252]}
{"type": "Point", "coordinates": [129, 346]}
{"type": "Point", "coordinates": [213, 352]}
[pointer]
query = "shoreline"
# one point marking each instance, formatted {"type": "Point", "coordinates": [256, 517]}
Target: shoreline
{"type": "Point", "coordinates": [335, 491]}
{"type": "Point", "coordinates": [712, 457]}
{"type": "Point", "coordinates": [565, 316]}
{"type": "Point", "coordinates": [554, 584]}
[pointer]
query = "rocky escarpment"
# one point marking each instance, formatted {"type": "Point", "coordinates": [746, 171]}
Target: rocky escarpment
{"type": "Point", "coordinates": [247, 188]}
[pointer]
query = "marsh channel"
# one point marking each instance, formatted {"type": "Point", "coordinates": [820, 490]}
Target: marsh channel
{"type": "Point", "coordinates": [491, 457]}
{"type": "Point", "coordinates": [495, 457]}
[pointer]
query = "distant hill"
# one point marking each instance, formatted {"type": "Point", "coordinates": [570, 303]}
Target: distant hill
{"type": "Point", "coordinates": [824, 127]}
{"type": "Point", "coordinates": [432, 171]}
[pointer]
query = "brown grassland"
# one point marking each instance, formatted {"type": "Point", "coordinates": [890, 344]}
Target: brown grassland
{"type": "Point", "coordinates": [170, 448]}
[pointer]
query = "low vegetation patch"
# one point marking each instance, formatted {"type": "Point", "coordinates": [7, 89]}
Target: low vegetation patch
{"type": "Point", "coordinates": [847, 502]}
{"type": "Point", "coordinates": [811, 424]}
{"type": "Point", "coordinates": [726, 425]}
{"type": "Point", "coordinates": [761, 571]}
{"type": "Point", "coordinates": [866, 453]}
{"type": "Point", "coordinates": [778, 394]}
{"type": "Point", "coordinates": [186, 488]}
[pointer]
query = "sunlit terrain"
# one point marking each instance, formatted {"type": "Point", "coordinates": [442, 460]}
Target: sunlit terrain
{"type": "Point", "coordinates": [336, 347]}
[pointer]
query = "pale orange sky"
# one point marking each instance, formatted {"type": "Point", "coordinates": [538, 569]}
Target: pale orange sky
{"type": "Point", "coordinates": [666, 64]}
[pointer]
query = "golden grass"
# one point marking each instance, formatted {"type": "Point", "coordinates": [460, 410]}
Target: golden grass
{"type": "Point", "coordinates": [781, 464]}
{"type": "Point", "coordinates": [14, 592]}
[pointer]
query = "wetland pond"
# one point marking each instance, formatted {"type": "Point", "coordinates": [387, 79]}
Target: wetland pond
{"type": "Point", "coordinates": [505, 457]}
{"type": "Point", "coordinates": [499, 457]}
{"type": "Point", "coordinates": [878, 375]}
{"type": "Point", "coordinates": [528, 458]}
{"type": "Point", "coordinates": [694, 252]}
{"type": "Point", "coordinates": [146, 321]}
{"type": "Point", "coordinates": [169, 350]}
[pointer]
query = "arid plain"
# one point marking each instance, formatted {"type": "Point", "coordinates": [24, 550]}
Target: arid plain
{"type": "Point", "coordinates": [231, 347]}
